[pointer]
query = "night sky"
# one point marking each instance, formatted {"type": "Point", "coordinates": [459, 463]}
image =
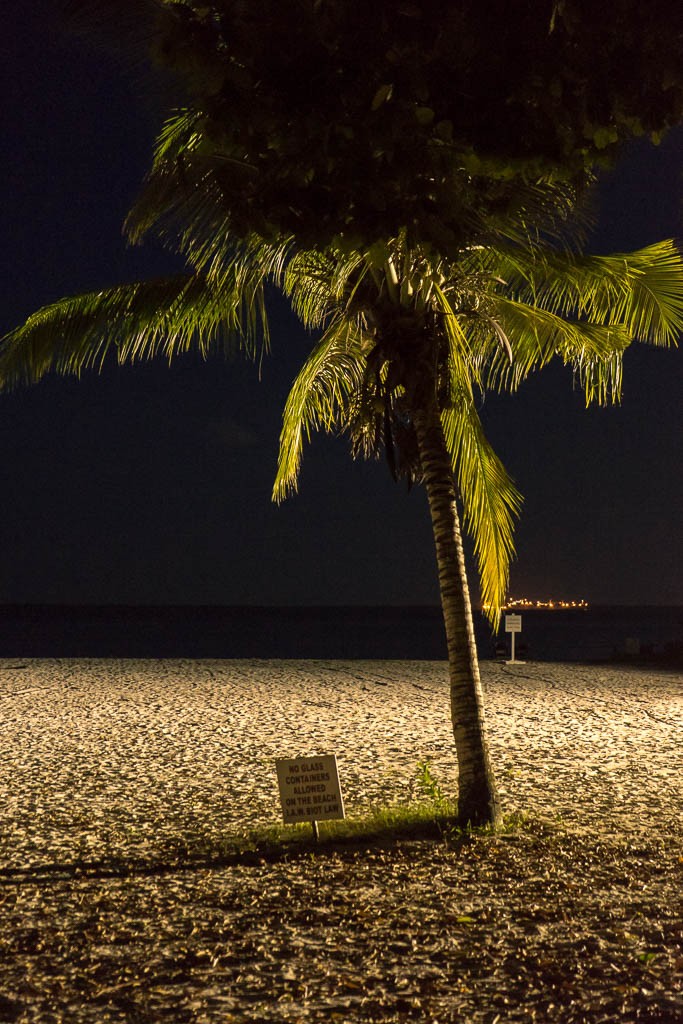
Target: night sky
{"type": "Point", "coordinates": [151, 485]}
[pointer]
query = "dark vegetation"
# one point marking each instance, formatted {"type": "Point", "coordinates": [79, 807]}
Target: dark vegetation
{"type": "Point", "coordinates": [425, 116]}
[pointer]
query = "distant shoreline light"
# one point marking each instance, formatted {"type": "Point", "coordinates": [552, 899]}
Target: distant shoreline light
{"type": "Point", "coordinates": [550, 604]}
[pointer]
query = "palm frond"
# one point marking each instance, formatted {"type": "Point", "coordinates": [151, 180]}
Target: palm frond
{"type": "Point", "coordinates": [536, 336]}
{"type": "Point", "coordinates": [182, 204]}
{"type": "Point", "coordinates": [133, 322]}
{"type": "Point", "coordinates": [641, 291]}
{"type": "Point", "coordinates": [655, 311]}
{"type": "Point", "coordinates": [543, 214]}
{"type": "Point", "coordinates": [307, 284]}
{"type": "Point", "coordinates": [462, 361]}
{"type": "Point", "coordinates": [167, 185]}
{"type": "Point", "coordinates": [490, 500]}
{"type": "Point", "coordinates": [320, 283]}
{"type": "Point", "coordinates": [320, 398]}
{"type": "Point", "coordinates": [182, 201]}
{"type": "Point", "coordinates": [601, 378]}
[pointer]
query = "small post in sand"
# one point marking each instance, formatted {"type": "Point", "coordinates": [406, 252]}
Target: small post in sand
{"type": "Point", "coordinates": [513, 625]}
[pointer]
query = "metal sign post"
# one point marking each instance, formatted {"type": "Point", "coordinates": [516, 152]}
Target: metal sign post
{"type": "Point", "coordinates": [513, 625]}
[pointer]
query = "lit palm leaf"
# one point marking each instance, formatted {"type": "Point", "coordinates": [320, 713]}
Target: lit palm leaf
{"type": "Point", "coordinates": [490, 500]}
{"type": "Point", "coordinates": [133, 323]}
{"type": "Point", "coordinates": [320, 398]}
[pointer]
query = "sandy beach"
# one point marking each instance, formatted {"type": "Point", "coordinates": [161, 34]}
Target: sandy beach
{"type": "Point", "coordinates": [106, 759]}
{"type": "Point", "coordinates": [100, 757]}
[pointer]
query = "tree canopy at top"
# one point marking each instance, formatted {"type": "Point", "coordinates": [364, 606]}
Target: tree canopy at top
{"type": "Point", "coordinates": [346, 121]}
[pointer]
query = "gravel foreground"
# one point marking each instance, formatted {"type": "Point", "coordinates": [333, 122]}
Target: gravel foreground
{"type": "Point", "coordinates": [120, 779]}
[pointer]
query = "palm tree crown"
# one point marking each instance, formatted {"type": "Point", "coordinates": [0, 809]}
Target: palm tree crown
{"type": "Point", "coordinates": [394, 329]}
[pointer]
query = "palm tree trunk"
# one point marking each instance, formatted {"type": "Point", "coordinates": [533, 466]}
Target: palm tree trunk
{"type": "Point", "coordinates": [478, 799]}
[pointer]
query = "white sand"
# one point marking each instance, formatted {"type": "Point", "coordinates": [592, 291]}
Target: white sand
{"type": "Point", "coordinates": [101, 757]}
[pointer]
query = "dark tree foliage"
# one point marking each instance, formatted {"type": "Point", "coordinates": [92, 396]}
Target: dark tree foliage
{"type": "Point", "coordinates": [348, 120]}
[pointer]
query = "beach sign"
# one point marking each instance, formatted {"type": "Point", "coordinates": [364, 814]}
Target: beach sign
{"type": "Point", "coordinates": [513, 625]}
{"type": "Point", "coordinates": [309, 789]}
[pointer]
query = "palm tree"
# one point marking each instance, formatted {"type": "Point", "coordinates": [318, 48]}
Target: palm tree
{"type": "Point", "coordinates": [405, 340]}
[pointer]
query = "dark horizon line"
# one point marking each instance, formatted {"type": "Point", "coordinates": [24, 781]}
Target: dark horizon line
{"type": "Point", "coordinates": [19, 606]}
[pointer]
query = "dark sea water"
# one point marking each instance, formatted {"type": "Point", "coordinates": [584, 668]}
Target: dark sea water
{"type": "Point", "coordinates": [594, 634]}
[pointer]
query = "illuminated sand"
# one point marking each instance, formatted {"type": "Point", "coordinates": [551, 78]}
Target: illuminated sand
{"type": "Point", "coordinates": [108, 757]}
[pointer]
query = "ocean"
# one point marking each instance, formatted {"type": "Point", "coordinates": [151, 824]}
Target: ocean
{"type": "Point", "coordinates": [582, 635]}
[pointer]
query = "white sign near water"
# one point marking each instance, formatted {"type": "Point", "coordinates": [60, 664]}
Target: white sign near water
{"type": "Point", "coordinates": [309, 788]}
{"type": "Point", "coordinates": [513, 625]}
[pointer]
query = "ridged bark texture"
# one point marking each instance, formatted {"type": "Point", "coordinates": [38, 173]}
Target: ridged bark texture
{"type": "Point", "coordinates": [477, 796]}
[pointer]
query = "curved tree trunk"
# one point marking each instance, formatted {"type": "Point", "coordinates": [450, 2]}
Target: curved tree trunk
{"type": "Point", "coordinates": [478, 800]}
